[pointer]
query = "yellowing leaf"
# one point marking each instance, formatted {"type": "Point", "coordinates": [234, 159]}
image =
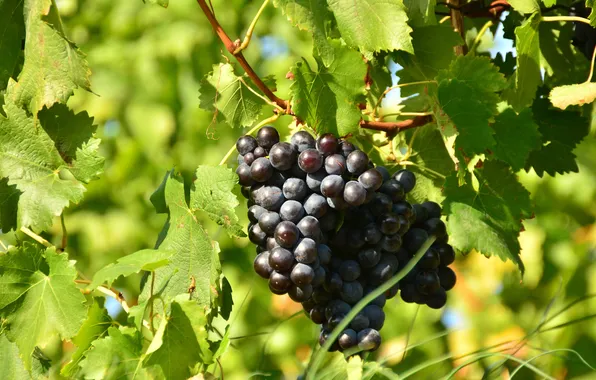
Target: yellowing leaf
{"type": "Point", "coordinates": [573, 95]}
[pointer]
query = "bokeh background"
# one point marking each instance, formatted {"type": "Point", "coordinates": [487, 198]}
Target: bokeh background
{"type": "Point", "coordinates": [147, 63]}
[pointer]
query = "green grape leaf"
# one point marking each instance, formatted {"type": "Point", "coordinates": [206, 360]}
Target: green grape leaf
{"type": "Point", "coordinates": [9, 198]}
{"type": "Point", "coordinates": [516, 136]}
{"type": "Point", "coordinates": [527, 76]}
{"type": "Point", "coordinates": [12, 32]}
{"type": "Point", "coordinates": [489, 219]}
{"type": "Point", "coordinates": [163, 3]}
{"type": "Point", "coordinates": [158, 198]}
{"type": "Point", "coordinates": [213, 195]}
{"type": "Point", "coordinates": [379, 76]}
{"type": "Point", "coordinates": [327, 99]}
{"type": "Point", "coordinates": [311, 16]}
{"type": "Point", "coordinates": [146, 259]}
{"type": "Point", "coordinates": [433, 47]}
{"type": "Point", "coordinates": [469, 114]}
{"type": "Point", "coordinates": [561, 131]}
{"type": "Point", "coordinates": [224, 92]}
{"type": "Point", "coordinates": [575, 94]}
{"type": "Point", "coordinates": [48, 172]}
{"type": "Point", "coordinates": [12, 365]}
{"type": "Point", "coordinates": [184, 341]}
{"type": "Point", "coordinates": [477, 72]}
{"type": "Point", "coordinates": [95, 327]}
{"type": "Point", "coordinates": [432, 163]}
{"type": "Point", "coordinates": [196, 256]}
{"type": "Point", "coordinates": [53, 68]}
{"type": "Point", "coordinates": [526, 6]}
{"type": "Point", "coordinates": [391, 30]}
{"type": "Point", "coordinates": [421, 13]}
{"type": "Point", "coordinates": [592, 4]}
{"type": "Point", "coordinates": [122, 345]}
{"type": "Point", "coordinates": [39, 298]}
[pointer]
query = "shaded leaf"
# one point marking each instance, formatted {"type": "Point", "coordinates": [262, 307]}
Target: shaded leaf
{"type": "Point", "coordinates": [39, 298]}
{"type": "Point", "coordinates": [516, 136]}
{"type": "Point", "coordinates": [391, 31]}
{"type": "Point", "coordinates": [9, 198]}
{"type": "Point", "coordinates": [477, 72]}
{"type": "Point", "coordinates": [12, 365]}
{"type": "Point", "coordinates": [421, 13]}
{"type": "Point", "coordinates": [327, 99]}
{"type": "Point", "coordinates": [146, 259]}
{"type": "Point", "coordinates": [488, 220]}
{"type": "Point", "coordinates": [12, 32]}
{"type": "Point", "coordinates": [575, 94]}
{"type": "Point", "coordinates": [212, 194]}
{"type": "Point", "coordinates": [526, 6]}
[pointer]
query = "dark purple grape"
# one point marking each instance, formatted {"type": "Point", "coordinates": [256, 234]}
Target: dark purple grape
{"type": "Point", "coordinates": [369, 339]}
{"type": "Point", "coordinates": [323, 338]}
{"type": "Point", "coordinates": [316, 205]}
{"type": "Point", "coordinates": [409, 294]}
{"type": "Point", "coordinates": [392, 291]}
{"type": "Point", "coordinates": [346, 147]}
{"type": "Point", "coordinates": [302, 274]}
{"type": "Point", "coordinates": [391, 243]}
{"type": "Point", "coordinates": [280, 259]}
{"type": "Point", "coordinates": [302, 140]}
{"type": "Point", "coordinates": [282, 156]}
{"type": "Point", "coordinates": [357, 162]}
{"type": "Point", "coordinates": [337, 203]}
{"type": "Point", "coordinates": [259, 152]}
{"type": "Point", "coordinates": [256, 235]}
{"type": "Point", "coordinates": [430, 260]}
{"type": "Point", "coordinates": [333, 282]}
{"type": "Point", "coordinates": [321, 297]}
{"type": "Point", "coordinates": [309, 304]}
{"type": "Point", "coordinates": [406, 178]}
{"type": "Point", "coordinates": [381, 205]}
{"type": "Point", "coordinates": [296, 172]}
{"type": "Point", "coordinates": [446, 253]}
{"type": "Point", "coordinates": [375, 315]}
{"type": "Point", "coordinates": [437, 300]}
{"type": "Point", "coordinates": [269, 221]}
{"type": "Point", "coordinates": [371, 179]}
{"type": "Point", "coordinates": [271, 243]}
{"type": "Point", "coordinates": [267, 136]}
{"type": "Point", "coordinates": [427, 283]}
{"type": "Point", "coordinates": [324, 254]}
{"type": "Point", "coordinates": [394, 190]}
{"type": "Point", "coordinates": [320, 275]}
{"type": "Point", "coordinates": [270, 197]}
{"type": "Point", "coordinates": [313, 180]}
{"type": "Point", "coordinates": [279, 283]}
{"type": "Point", "coordinates": [349, 270]}
{"type": "Point", "coordinates": [244, 176]}
{"type": "Point", "coordinates": [421, 213]}
{"type": "Point", "coordinates": [306, 251]}
{"type": "Point", "coordinates": [245, 191]}
{"type": "Point", "coordinates": [379, 301]}
{"type": "Point", "coordinates": [254, 212]}
{"type": "Point", "coordinates": [309, 227]}
{"type": "Point", "coordinates": [261, 265]}
{"type": "Point", "coordinates": [360, 322]}
{"type": "Point", "coordinates": [368, 258]}
{"type": "Point", "coordinates": [335, 164]}
{"type": "Point", "coordinates": [248, 158]}
{"type": "Point", "coordinates": [414, 238]}
{"type": "Point", "coordinates": [404, 225]}
{"type": "Point", "coordinates": [261, 169]}
{"type": "Point", "coordinates": [332, 186]}
{"type": "Point", "coordinates": [286, 234]}
{"type": "Point", "coordinates": [447, 278]}
{"type": "Point", "coordinates": [384, 270]}
{"type": "Point", "coordinates": [351, 292]}
{"type": "Point", "coordinates": [277, 179]}
{"type": "Point", "coordinates": [300, 293]}
{"type": "Point", "coordinates": [433, 209]}
{"type": "Point", "coordinates": [295, 189]}
{"type": "Point", "coordinates": [436, 227]}
{"type": "Point", "coordinates": [246, 144]}
{"type": "Point", "coordinates": [405, 209]}
{"type": "Point", "coordinates": [310, 160]}
{"type": "Point", "coordinates": [317, 315]}
{"type": "Point", "coordinates": [390, 224]}
{"type": "Point", "coordinates": [384, 173]}
{"type": "Point", "coordinates": [327, 144]}
{"type": "Point", "coordinates": [329, 221]}
{"type": "Point", "coordinates": [291, 210]}
{"type": "Point", "coordinates": [337, 307]}
{"type": "Point", "coordinates": [348, 339]}
{"type": "Point", "coordinates": [335, 320]}
{"type": "Point", "coordinates": [354, 193]}
{"type": "Point", "coordinates": [372, 234]}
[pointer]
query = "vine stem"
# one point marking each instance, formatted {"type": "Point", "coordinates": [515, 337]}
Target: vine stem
{"type": "Point", "coordinates": [251, 29]}
{"type": "Point", "coordinates": [252, 130]}
{"type": "Point", "coordinates": [320, 354]}
{"type": "Point", "coordinates": [457, 22]}
{"type": "Point", "coordinates": [64, 233]}
{"type": "Point", "coordinates": [36, 237]}
{"type": "Point", "coordinates": [396, 126]}
{"type": "Point", "coordinates": [591, 67]}
{"type": "Point", "coordinates": [566, 18]}
{"type": "Point", "coordinates": [231, 47]}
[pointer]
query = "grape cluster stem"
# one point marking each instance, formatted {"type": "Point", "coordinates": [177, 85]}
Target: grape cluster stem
{"type": "Point", "coordinates": [235, 49]}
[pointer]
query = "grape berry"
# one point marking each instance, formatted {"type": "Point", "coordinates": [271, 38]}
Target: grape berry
{"type": "Point", "coordinates": [330, 227]}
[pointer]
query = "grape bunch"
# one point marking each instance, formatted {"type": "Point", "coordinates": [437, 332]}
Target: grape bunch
{"type": "Point", "coordinates": [330, 227]}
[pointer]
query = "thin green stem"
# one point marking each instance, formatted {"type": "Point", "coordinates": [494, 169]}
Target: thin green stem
{"type": "Point", "coordinates": [548, 353]}
{"type": "Point", "coordinates": [36, 237]}
{"type": "Point", "coordinates": [591, 67]}
{"type": "Point", "coordinates": [320, 355]}
{"type": "Point", "coordinates": [566, 18]}
{"type": "Point", "coordinates": [251, 29]}
{"type": "Point", "coordinates": [252, 130]}
{"type": "Point", "coordinates": [265, 99]}
{"type": "Point", "coordinates": [64, 233]}
{"type": "Point", "coordinates": [481, 33]}
{"type": "Point", "coordinates": [510, 357]}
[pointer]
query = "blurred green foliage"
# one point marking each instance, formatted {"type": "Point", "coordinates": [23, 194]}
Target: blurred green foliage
{"type": "Point", "coordinates": [147, 63]}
